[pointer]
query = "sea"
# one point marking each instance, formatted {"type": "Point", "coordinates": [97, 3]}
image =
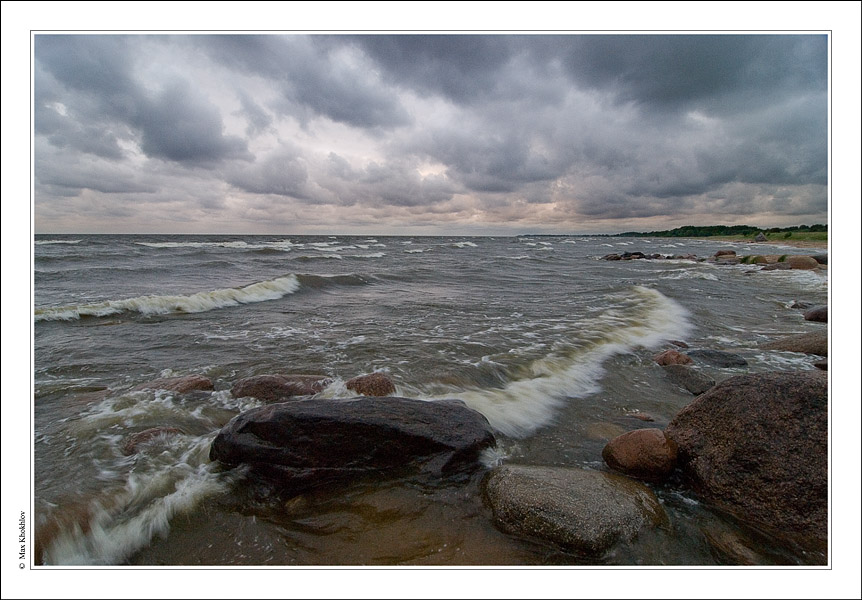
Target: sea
{"type": "Point", "coordinates": [553, 344]}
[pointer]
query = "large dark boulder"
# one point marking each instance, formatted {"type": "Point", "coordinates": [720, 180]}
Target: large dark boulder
{"type": "Point", "coordinates": [579, 510]}
{"type": "Point", "coordinates": [691, 379]}
{"type": "Point", "coordinates": [756, 446]}
{"type": "Point", "coordinates": [313, 441]}
{"type": "Point", "coordinates": [717, 358]}
{"type": "Point", "coordinates": [816, 342]}
{"type": "Point", "coordinates": [275, 388]}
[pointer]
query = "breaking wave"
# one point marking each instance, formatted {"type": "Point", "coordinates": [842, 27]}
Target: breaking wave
{"type": "Point", "coordinates": [161, 305]}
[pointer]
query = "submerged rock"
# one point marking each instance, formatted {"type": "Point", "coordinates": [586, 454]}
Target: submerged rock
{"type": "Point", "coordinates": [274, 388]}
{"type": "Point", "coordinates": [718, 358]}
{"type": "Point", "coordinates": [692, 380]}
{"type": "Point", "coordinates": [133, 443]}
{"type": "Point", "coordinates": [816, 342]}
{"type": "Point", "coordinates": [819, 314]}
{"type": "Point", "coordinates": [373, 384]}
{"type": "Point", "coordinates": [576, 509]}
{"type": "Point", "coordinates": [180, 385]}
{"type": "Point", "coordinates": [802, 262]}
{"type": "Point", "coordinates": [308, 442]}
{"type": "Point", "coordinates": [756, 446]}
{"type": "Point", "coordinates": [672, 357]}
{"type": "Point", "coordinates": [644, 453]}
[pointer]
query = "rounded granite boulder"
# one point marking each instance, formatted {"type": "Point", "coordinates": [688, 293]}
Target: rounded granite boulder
{"type": "Point", "coordinates": [579, 510]}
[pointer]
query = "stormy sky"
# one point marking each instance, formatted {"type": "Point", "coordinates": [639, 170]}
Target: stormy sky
{"type": "Point", "coordinates": [428, 134]}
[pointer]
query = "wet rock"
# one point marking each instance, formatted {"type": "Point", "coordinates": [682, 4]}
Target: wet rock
{"type": "Point", "coordinates": [756, 446]}
{"type": "Point", "coordinates": [632, 255]}
{"type": "Point", "coordinates": [180, 385]}
{"type": "Point", "coordinates": [373, 384]}
{"type": "Point", "coordinates": [612, 257]}
{"type": "Point", "coordinates": [802, 262]}
{"type": "Point", "coordinates": [679, 344]}
{"type": "Point", "coordinates": [819, 314]}
{"type": "Point", "coordinates": [603, 431]}
{"type": "Point", "coordinates": [816, 342]}
{"type": "Point", "coordinates": [672, 357]}
{"type": "Point", "coordinates": [641, 416]}
{"type": "Point", "coordinates": [822, 259]}
{"type": "Point", "coordinates": [691, 379]}
{"type": "Point", "coordinates": [760, 237]}
{"type": "Point", "coordinates": [778, 266]}
{"type": "Point", "coordinates": [576, 509]}
{"type": "Point", "coordinates": [307, 442]}
{"type": "Point", "coordinates": [275, 388]}
{"type": "Point", "coordinates": [643, 453]}
{"type": "Point", "coordinates": [800, 305]}
{"type": "Point", "coordinates": [757, 260]}
{"type": "Point", "coordinates": [823, 365]}
{"type": "Point", "coordinates": [718, 358]}
{"type": "Point", "coordinates": [133, 443]}
{"type": "Point", "coordinates": [721, 253]}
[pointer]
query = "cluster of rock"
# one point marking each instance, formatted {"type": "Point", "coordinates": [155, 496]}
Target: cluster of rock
{"type": "Point", "coordinates": [753, 446]}
{"type": "Point", "coordinates": [770, 262]}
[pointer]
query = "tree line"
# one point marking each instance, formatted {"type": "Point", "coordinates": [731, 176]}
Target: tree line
{"type": "Point", "coordinates": [727, 230]}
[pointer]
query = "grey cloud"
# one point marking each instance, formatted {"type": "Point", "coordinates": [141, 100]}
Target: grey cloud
{"type": "Point", "coordinates": [182, 126]}
{"type": "Point", "coordinates": [312, 77]}
{"type": "Point", "coordinates": [282, 174]}
{"type": "Point", "coordinates": [102, 97]}
{"type": "Point", "coordinates": [721, 72]}
{"type": "Point", "coordinates": [258, 119]}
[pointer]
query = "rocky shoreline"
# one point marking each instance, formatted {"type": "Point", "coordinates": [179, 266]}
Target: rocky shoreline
{"type": "Point", "coordinates": [753, 447]}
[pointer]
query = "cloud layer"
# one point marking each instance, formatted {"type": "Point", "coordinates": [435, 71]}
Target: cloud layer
{"type": "Point", "coordinates": [428, 133]}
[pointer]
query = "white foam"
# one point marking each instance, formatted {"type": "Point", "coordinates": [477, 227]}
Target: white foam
{"type": "Point", "coordinates": [160, 305]}
{"type": "Point", "coordinates": [646, 318]}
{"type": "Point", "coordinates": [689, 274]}
{"type": "Point", "coordinates": [50, 242]}
{"type": "Point", "coordinates": [119, 526]}
{"type": "Point", "coordinates": [465, 245]}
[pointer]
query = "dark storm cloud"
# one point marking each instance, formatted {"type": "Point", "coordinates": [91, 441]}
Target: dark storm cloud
{"type": "Point", "coordinates": [282, 174]}
{"type": "Point", "coordinates": [716, 71]}
{"type": "Point", "coordinates": [94, 85]}
{"type": "Point", "coordinates": [312, 78]}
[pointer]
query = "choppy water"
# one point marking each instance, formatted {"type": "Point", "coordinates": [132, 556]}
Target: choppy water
{"type": "Point", "coordinates": [550, 343]}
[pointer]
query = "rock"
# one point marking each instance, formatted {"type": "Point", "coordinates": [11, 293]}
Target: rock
{"type": "Point", "coordinates": [725, 253]}
{"type": "Point", "coordinates": [136, 440]}
{"type": "Point", "coordinates": [672, 357]}
{"type": "Point", "coordinates": [579, 510]}
{"type": "Point", "coordinates": [603, 431]}
{"type": "Point", "coordinates": [818, 313]}
{"type": "Point", "coordinates": [679, 344]}
{"type": "Point", "coordinates": [800, 305]}
{"type": "Point", "coordinates": [641, 416]}
{"type": "Point", "coordinates": [822, 259]}
{"type": "Point", "coordinates": [756, 446]}
{"type": "Point", "coordinates": [274, 388]}
{"type": "Point", "coordinates": [816, 342]}
{"type": "Point", "coordinates": [778, 266]}
{"type": "Point", "coordinates": [823, 365]}
{"type": "Point", "coordinates": [643, 453]}
{"type": "Point", "coordinates": [307, 442]}
{"type": "Point", "coordinates": [612, 257]}
{"type": "Point", "coordinates": [718, 358]}
{"type": "Point", "coordinates": [802, 262]}
{"type": "Point", "coordinates": [180, 385]}
{"type": "Point", "coordinates": [685, 257]}
{"type": "Point", "coordinates": [373, 384]}
{"type": "Point", "coordinates": [760, 237]}
{"type": "Point", "coordinates": [757, 260]}
{"type": "Point", "coordinates": [632, 255]}
{"type": "Point", "coordinates": [691, 379]}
